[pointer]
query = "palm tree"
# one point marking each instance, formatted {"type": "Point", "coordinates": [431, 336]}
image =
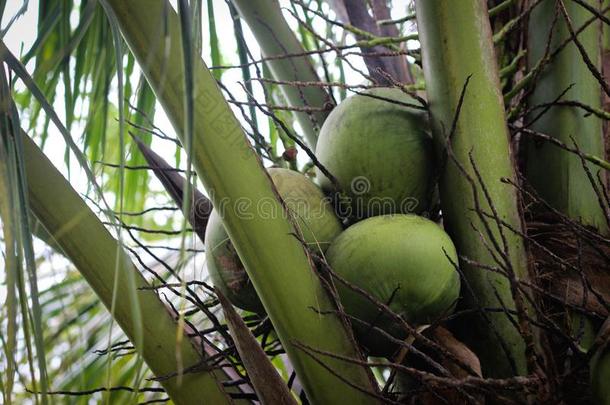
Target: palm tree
{"type": "Point", "coordinates": [513, 90]}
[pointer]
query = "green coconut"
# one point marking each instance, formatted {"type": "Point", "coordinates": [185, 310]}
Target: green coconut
{"type": "Point", "coordinates": [313, 213]}
{"type": "Point", "coordinates": [314, 219]}
{"type": "Point", "coordinates": [380, 152]}
{"type": "Point", "coordinates": [401, 260]}
{"type": "Point", "coordinates": [226, 271]}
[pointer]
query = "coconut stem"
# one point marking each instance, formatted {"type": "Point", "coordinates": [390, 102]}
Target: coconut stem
{"type": "Point", "coordinates": [557, 175]}
{"type": "Point", "coordinates": [470, 130]}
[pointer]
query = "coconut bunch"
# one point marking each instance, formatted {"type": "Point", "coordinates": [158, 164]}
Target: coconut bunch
{"type": "Point", "coordinates": [387, 258]}
{"type": "Point", "coordinates": [379, 150]}
{"type": "Point", "coordinates": [377, 147]}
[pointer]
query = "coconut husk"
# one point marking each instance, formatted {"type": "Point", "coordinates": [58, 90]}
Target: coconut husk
{"type": "Point", "coordinates": [458, 349]}
{"type": "Point", "coordinates": [573, 267]}
{"type": "Point", "coordinates": [414, 392]}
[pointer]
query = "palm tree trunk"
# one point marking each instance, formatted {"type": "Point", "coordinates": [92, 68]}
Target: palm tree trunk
{"type": "Point", "coordinates": [457, 45]}
{"type": "Point", "coordinates": [559, 176]}
{"type": "Point", "coordinates": [254, 217]}
{"type": "Point", "coordinates": [356, 13]}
